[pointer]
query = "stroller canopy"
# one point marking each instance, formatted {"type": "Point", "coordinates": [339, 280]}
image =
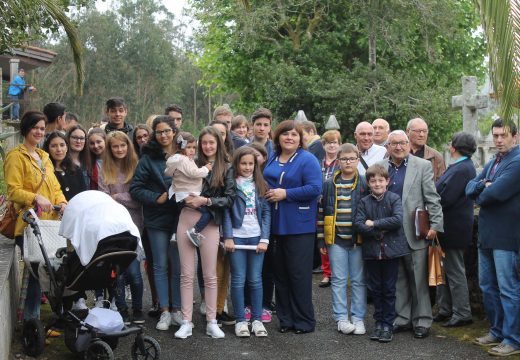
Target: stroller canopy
{"type": "Point", "coordinates": [92, 216]}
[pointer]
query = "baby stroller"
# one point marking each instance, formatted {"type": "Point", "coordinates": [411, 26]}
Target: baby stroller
{"type": "Point", "coordinates": [69, 273]}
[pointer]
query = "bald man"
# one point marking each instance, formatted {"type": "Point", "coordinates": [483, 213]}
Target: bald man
{"type": "Point", "coordinates": [417, 131]}
{"type": "Point", "coordinates": [370, 152]}
{"type": "Point", "coordinates": [381, 131]}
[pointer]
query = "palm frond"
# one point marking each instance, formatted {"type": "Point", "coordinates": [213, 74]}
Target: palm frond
{"type": "Point", "coordinates": [52, 7]}
{"type": "Point", "coordinates": [501, 23]}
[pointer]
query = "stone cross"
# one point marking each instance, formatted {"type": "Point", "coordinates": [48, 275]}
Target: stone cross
{"type": "Point", "coordinates": [470, 101]}
{"type": "Point", "coordinates": [332, 123]}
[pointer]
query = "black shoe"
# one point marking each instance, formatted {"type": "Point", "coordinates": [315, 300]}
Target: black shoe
{"type": "Point", "coordinates": [225, 319]}
{"type": "Point", "coordinates": [125, 316]}
{"type": "Point", "coordinates": [420, 332]}
{"type": "Point", "coordinates": [137, 317]}
{"type": "Point", "coordinates": [285, 329]}
{"type": "Point", "coordinates": [301, 331]}
{"type": "Point", "coordinates": [401, 328]}
{"type": "Point", "coordinates": [457, 322]}
{"type": "Point", "coordinates": [386, 335]}
{"type": "Point", "coordinates": [441, 317]}
{"type": "Point", "coordinates": [154, 311]}
{"type": "Point", "coordinates": [376, 334]}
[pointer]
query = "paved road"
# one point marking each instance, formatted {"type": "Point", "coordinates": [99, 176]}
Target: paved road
{"type": "Point", "coordinates": [324, 343]}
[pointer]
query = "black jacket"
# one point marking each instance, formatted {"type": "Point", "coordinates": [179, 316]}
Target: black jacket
{"type": "Point", "coordinates": [386, 239]}
{"type": "Point", "coordinates": [457, 208]}
{"type": "Point", "coordinates": [221, 197]}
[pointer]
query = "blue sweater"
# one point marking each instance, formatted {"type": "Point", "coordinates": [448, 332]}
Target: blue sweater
{"type": "Point", "coordinates": [498, 225]}
{"type": "Point", "coordinates": [301, 177]}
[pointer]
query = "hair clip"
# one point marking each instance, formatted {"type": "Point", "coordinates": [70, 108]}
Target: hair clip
{"type": "Point", "coordinates": [182, 143]}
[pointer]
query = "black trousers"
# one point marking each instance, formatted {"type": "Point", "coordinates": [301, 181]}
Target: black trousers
{"type": "Point", "coordinates": [381, 280]}
{"type": "Point", "coordinates": [292, 264]}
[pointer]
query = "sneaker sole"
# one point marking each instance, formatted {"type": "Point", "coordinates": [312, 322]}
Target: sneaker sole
{"type": "Point", "coordinates": [227, 323]}
{"type": "Point", "coordinates": [138, 322]}
{"type": "Point", "coordinates": [346, 333]}
{"type": "Point", "coordinates": [385, 340]}
{"type": "Point", "coordinates": [493, 353]}
{"type": "Point", "coordinates": [160, 328]}
{"type": "Point", "coordinates": [486, 344]}
{"type": "Point", "coordinates": [191, 240]}
{"type": "Point", "coordinates": [182, 337]}
{"type": "Point", "coordinates": [215, 337]}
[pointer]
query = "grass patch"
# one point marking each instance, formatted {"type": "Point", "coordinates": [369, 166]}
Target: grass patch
{"type": "Point", "coordinates": [467, 333]}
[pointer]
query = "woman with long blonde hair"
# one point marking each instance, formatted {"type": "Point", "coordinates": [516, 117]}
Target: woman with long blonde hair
{"type": "Point", "coordinates": [118, 168]}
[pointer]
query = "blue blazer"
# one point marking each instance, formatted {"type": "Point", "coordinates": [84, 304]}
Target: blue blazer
{"type": "Point", "coordinates": [301, 178]}
{"type": "Point", "coordinates": [498, 225]}
{"type": "Point", "coordinates": [234, 216]}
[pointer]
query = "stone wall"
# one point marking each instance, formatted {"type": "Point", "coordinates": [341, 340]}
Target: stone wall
{"type": "Point", "coordinates": [9, 294]}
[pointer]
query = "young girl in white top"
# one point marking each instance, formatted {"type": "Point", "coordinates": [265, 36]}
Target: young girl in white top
{"type": "Point", "coordinates": [247, 222]}
{"type": "Point", "coordinates": [187, 179]}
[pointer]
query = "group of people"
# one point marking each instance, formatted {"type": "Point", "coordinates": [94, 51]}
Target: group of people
{"type": "Point", "coordinates": [253, 205]}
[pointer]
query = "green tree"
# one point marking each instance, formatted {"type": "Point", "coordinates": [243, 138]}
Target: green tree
{"type": "Point", "coordinates": [394, 59]}
{"type": "Point", "coordinates": [23, 21]}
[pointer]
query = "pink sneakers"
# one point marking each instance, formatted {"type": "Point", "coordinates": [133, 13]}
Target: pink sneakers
{"type": "Point", "coordinates": [266, 316]}
{"type": "Point", "coordinates": [247, 313]}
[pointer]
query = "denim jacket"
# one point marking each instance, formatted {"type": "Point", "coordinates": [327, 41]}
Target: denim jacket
{"type": "Point", "coordinates": [234, 216]}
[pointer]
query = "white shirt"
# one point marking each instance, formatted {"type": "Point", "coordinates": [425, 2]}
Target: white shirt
{"type": "Point", "coordinates": [371, 156]}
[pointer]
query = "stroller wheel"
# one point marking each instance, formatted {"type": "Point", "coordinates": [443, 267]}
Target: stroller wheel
{"type": "Point", "coordinates": [152, 349]}
{"type": "Point", "coordinates": [99, 350]}
{"type": "Point", "coordinates": [33, 337]}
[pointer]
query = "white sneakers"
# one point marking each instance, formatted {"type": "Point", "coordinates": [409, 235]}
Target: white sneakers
{"type": "Point", "coordinates": [164, 321]}
{"type": "Point", "coordinates": [258, 329]}
{"type": "Point", "coordinates": [213, 330]}
{"type": "Point", "coordinates": [359, 327]}
{"type": "Point", "coordinates": [242, 329]}
{"type": "Point", "coordinates": [185, 330]}
{"type": "Point", "coordinates": [177, 318]}
{"type": "Point", "coordinates": [345, 327]}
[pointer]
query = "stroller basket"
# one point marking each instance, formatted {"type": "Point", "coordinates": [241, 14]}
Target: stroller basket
{"type": "Point", "coordinates": [113, 255]}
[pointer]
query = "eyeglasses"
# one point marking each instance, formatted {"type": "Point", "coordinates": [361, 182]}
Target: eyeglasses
{"type": "Point", "coordinates": [401, 143]}
{"type": "Point", "coordinates": [420, 131]}
{"type": "Point", "coordinates": [348, 160]}
{"type": "Point", "coordinates": [77, 138]}
{"type": "Point", "coordinates": [163, 132]}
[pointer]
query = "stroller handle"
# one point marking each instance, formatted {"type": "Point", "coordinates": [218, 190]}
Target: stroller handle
{"type": "Point", "coordinates": [29, 218]}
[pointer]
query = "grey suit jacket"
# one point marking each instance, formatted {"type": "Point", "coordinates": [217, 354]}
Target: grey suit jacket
{"type": "Point", "coordinates": [419, 191]}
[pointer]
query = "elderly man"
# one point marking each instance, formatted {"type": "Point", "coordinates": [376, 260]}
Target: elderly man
{"type": "Point", "coordinates": [370, 152]}
{"type": "Point", "coordinates": [497, 192]}
{"type": "Point", "coordinates": [381, 131]}
{"type": "Point", "coordinates": [412, 179]}
{"type": "Point", "coordinates": [417, 131]}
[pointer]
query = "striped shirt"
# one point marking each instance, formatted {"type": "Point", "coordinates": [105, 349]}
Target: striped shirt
{"type": "Point", "coordinates": [344, 212]}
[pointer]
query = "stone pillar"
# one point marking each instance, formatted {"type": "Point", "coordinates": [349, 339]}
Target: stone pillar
{"type": "Point", "coordinates": [13, 71]}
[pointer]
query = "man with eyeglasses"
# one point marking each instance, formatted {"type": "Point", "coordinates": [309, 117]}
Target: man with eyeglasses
{"type": "Point", "coordinates": [370, 153]}
{"type": "Point", "coordinates": [417, 131]}
{"type": "Point", "coordinates": [412, 178]}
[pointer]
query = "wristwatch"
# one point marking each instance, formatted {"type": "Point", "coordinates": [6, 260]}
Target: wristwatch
{"type": "Point", "coordinates": [209, 202]}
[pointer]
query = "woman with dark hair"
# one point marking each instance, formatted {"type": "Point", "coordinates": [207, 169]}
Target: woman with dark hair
{"type": "Point", "coordinates": [457, 209]}
{"type": "Point", "coordinates": [217, 194]}
{"type": "Point", "coordinates": [221, 126]}
{"type": "Point", "coordinates": [96, 141]}
{"type": "Point", "coordinates": [30, 180]}
{"type": "Point", "coordinates": [294, 178]}
{"type": "Point", "coordinates": [150, 187]}
{"type": "Point", "coordinates": [140, 136]}
{"type": "Point", "coordinates": [68, 174]}
{"type": "Point", "coordinates": [78, 151]}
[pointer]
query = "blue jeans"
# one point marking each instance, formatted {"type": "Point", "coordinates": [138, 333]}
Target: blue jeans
{"type": "Point", "coordinates": [15, 109]}
{"type": "Point", "coordinates": [500, 286]}
{"type": "Point", "coordinates": [132, 275]}
{"type": "Point", "coordinates": [347, 262]}
{"type": "Point", "coordinates": [204, 219]}
{"type": "Point", "coordinates": [246, 264]}
{"type": "Point", "coordinates": [164, 253]}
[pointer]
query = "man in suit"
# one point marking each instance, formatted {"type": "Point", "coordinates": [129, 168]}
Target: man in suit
{"type": "Point", "coordinates": [497, 191]}
{"type": "Point", "coordinates": [412, 179]}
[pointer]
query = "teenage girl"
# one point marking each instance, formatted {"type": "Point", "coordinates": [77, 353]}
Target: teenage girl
{"type": "Point", "coordinates": [247, 222]}
{"type": "Point", "coordinates": [118, 168]}
{"type": "Point", "coordinates": [187, 179]}
{"type": "Point", "coordinates": [96, 143]}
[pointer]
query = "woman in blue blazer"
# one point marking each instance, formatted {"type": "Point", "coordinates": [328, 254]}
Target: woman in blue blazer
{"type": "Point", "coordinates": [294, 179]}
